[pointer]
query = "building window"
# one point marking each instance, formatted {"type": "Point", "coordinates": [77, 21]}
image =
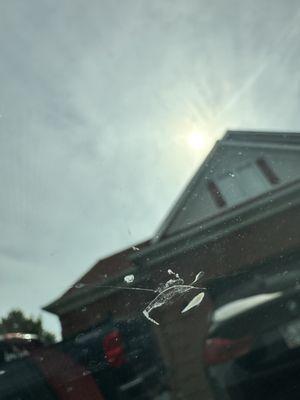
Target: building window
{"type": "Point", "coordinates": [216, 194]}
{"type": "Point", "coordinates": [267, 171]}
{"type": "Point", "coordinates": [242, 184]}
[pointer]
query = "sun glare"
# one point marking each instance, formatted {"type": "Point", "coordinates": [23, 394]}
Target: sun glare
{"type": "Point", "coordinates": [195, 140]}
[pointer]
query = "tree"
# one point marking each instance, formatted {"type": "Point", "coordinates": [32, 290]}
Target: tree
{"type": "Point", "coordinates": [16, 321]}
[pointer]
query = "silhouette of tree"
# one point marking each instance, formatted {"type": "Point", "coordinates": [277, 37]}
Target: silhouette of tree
{"type": "Point", "coordinates": [16, 321]}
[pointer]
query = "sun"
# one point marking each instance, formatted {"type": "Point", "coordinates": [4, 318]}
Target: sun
{"type": "Point", "coordinates": [195, 140]}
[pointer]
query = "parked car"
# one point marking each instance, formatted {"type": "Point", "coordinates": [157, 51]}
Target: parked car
{"type": "Point", "coordinates": [117, 360]}
{"type": "Point", "coordinates": [123, 358]}
{"type": "Point", "coordinates": [17, 345]}
{"type": "Point", "coordinates": [253, 347]}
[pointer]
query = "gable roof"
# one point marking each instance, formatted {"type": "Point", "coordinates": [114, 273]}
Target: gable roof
{"type": "Point", "coordinates": [267, 137]}
{"type": "Point", "coordinates": [234, 139]}
{"type": "Point", "coordinates": [88, 288]}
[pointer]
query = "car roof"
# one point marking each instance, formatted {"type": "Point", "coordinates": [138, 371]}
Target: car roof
{"type": "Point", "coordinates": [18, 336]}
{"type": "Point", "coordinates": [240, 306]}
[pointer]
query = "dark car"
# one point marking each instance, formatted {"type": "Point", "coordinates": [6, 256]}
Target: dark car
{"type": "Point", "coordinates": [253, 347]}
{"type": "Point", "coordinates": [117, 360]}
{"type": "Point", "coordinates": [123, 358]}
{"type": "Point", "coordinates": [17, 345]}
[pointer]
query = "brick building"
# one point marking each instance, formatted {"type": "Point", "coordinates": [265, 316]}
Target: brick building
{"type": "Point", "coordinates": [240, 211]}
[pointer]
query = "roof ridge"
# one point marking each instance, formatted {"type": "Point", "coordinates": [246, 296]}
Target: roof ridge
{"type": "Point", "coordinates": [286, 137]}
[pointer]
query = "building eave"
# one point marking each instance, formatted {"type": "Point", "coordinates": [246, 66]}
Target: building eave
{"type": "Point", "coordinates": [86, 295]}
{"type": "Point", "coordinates": [268, 137]}
{"type": "Point", "coordinates": [97, 282]}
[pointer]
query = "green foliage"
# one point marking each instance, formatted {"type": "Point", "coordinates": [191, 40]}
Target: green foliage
{"type": "Point", "coordinates": [16, 321]}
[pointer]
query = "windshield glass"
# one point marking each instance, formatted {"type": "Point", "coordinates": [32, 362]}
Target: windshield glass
{"type": "Point", "coordinates": [150, 167]}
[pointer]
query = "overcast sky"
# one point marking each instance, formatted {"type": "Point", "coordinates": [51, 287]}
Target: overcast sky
{"type": "Point", "coordinates": [106, 110]}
